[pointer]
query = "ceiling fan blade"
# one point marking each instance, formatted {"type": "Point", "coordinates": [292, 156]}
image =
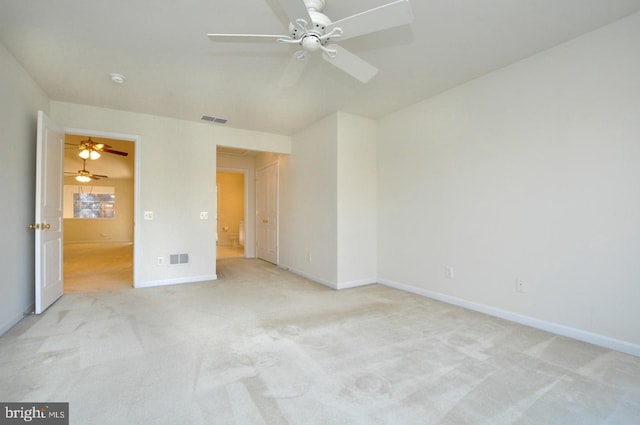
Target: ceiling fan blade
{"type": "Point", "coordinates": [250, 38]}
{"type": "Point", "coordinates": [350, 63]}
{"type": "Point", "coordinates": [115, 151]}
{"type": "Point", "coordinates": [294, 70]}
{"type": "Point", "coordinates": [296, 9]}
{"type": "Point", "coordinates": [380, 18]}
{"type": "Point", "coordinates": [98, 176]}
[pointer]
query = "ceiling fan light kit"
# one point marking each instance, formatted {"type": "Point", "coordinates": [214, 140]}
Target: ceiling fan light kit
{"type": "Point", "coordinates": [85, 176]}
{"type": "Point", "coordinates": [312, 30]}
{"type": "Point", "coordinates": [89, 154]}
{"type": "Point", "coordinates": [92, 150]}
{"type": "Point", "coordinates": [83, 179]}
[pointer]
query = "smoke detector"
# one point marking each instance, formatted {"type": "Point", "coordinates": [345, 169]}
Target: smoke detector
{"type": "Point", "coordinates": [117, 78]}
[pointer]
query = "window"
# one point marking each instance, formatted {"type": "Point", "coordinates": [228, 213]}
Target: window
{"type": "Point", "coordinates": [89, 202]}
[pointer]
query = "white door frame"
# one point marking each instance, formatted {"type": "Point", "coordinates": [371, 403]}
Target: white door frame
{"type": "Point", "coordinates": [137, 249]}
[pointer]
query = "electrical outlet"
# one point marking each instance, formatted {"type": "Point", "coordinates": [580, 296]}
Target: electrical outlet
{"type": "Point", "coordinates": [148, 215]}
{"type": "Point", "coordinates": [204, 215]}
{"type": "Point", "coordinates": [161, 261]}
{"type": "Point", "coordinates": [449, 272]}
{"type": "Point", "coordinates": [521, 286]}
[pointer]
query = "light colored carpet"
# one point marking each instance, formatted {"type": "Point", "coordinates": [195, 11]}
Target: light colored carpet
{"type": "Point", "coordinates": [262, 346]}
{"type": "Point", "coordinates": [229, 252]}
{"type": "Point", "coordinates": [97, 267]}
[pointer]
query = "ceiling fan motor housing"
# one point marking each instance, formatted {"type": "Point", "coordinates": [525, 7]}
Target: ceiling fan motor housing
{"type": "Point", "coordinates": [315, 28]}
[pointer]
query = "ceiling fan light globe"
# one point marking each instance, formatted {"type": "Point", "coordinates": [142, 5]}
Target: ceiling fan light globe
{"type": "Point", "coordinates": [84, 154]}
{"type": "Point", "coordinates": [83, 179]}
{"type": "Point", "coordinates": [94, 155]}
{"type": "Point", "coordinates": [311, 43]}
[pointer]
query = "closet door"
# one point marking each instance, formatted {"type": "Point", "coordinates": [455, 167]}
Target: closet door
{"type": "Point", "coordinates": [267, 213]}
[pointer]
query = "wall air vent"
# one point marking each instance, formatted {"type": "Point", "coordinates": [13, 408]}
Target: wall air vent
{"type": "Point", "coordinates": [211, 118]}
{"type": "Point", "coordinates": [178, 259]}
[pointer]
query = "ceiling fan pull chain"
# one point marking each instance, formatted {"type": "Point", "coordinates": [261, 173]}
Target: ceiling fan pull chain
{"type": "Point", "coordinates": [301, 55]}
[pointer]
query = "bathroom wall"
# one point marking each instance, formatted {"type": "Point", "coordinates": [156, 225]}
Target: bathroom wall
{"type": "Point", "coordinates": [230, 207]}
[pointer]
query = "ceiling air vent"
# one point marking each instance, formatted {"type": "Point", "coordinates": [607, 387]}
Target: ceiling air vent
{"type": "Point", "coordinates": [213, 119]}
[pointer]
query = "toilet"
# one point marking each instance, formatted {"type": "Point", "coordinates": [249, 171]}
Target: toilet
{"type": "Point", "coordinates": [237, 239]}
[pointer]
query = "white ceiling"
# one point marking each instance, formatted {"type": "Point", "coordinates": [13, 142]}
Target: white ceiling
{"type": "Point", "coordinates": [172, 69]}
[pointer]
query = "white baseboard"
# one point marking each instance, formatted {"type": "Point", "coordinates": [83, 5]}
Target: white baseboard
{"type": "Point", "coordinates": [178, 281]}
{"type": "Point", "coordinates": [316, 279]}
{"type": "Point", "coordinates": [578, 334]}
{"type": "Point", "coordinates": [4, 328]}
{"type": "Point", "coordinates": [332, 285]}
{"type": "Point", "coordinates": [101, 241]}
{"type": "Point", "coordinates": [357, 283]}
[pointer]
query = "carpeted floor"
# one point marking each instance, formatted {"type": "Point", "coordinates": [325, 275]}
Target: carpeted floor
{"type": "Point", "coordinates": [97, 267]}
{"type": "Point", "coordinates": [262, 346]}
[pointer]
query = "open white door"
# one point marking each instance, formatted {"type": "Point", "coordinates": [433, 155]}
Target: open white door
{"type": "Point", "coordinates": [48, 218]}
{"type": "Point", "coordinates": [267, 213]}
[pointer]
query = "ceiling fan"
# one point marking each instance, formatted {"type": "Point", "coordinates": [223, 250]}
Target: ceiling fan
{"type": "Point", "coordinates": [93, 150]}
{"type": "Point", "coordinates": [84, 176]}
{"type": "Point", "coordinates": [313, 31]}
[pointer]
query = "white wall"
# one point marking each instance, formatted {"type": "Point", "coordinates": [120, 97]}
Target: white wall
{"type": "Point", "coordinates": [177, 181]}
{"type": "Point", "coordinates": [328, 202]}
{"type": "Point", "coordinates": [308, 203]}
{"type": "Point", "coordinates": [20, 100]}
{"type": "Point", "coordinates": [357, 236]}
{"type": "Point", "coordinates": [528, 173]}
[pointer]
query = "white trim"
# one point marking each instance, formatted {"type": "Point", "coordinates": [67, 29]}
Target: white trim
{"type": "Point", "coordinates": [555, 328]}
{"type": "Point", "coordinates": [177, 281]}
{"type": "Point", "coordinates": [357, 283]}
{"type": "Point", "coordinates": [100, 241]}
{"type": "Point", "coordinates": [15, 320]}
{"type": "Point", "coordinates": [312, 278]}
{"type": "Point", "coordinates": [332, 285]}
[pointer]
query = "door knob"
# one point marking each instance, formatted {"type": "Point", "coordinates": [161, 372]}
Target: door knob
{"type": "Point", "coordinates": [46, 226]}
{"type": "Point", "coordinates": [265, 221]}
{"type": "Point", "coordinates": [34, 226]}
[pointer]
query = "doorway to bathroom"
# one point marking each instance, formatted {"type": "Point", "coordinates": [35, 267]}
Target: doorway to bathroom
{"type": "Point", "coordinates": [231, 214]}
